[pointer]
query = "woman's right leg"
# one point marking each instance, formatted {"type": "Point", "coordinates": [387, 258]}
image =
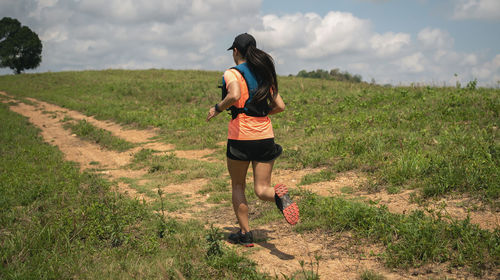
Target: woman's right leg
{"type": "Point", "coordinates": [238, 172]}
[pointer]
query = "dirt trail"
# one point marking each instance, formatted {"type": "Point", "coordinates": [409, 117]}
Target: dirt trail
{"type": "Point", "coordinates": [453, 208]}
{"type": "Point", "coordinates": [48, 118]}
{"type": "Point", "coordinates": [144, 137]}
{"type": "Point", "coordinates": [87, 154]}
{"type": "Point", "coordinates": [278, 249]}
{"type": "Point", "coordinates": [129, 134]}
{"type": "Point", "coordinates": [396, 203]}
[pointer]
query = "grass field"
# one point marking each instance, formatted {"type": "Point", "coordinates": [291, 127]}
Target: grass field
{"type": "Point", "coordinates": [437, 141]}
{"type": "Point", "coordinates": [60, 224]}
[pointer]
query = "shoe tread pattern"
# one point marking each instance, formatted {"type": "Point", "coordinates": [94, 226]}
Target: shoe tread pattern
{"type": "Point", "coordinates": [290, 209]}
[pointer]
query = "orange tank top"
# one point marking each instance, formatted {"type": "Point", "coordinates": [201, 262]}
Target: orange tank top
{"type": "Point", "coordinates": [245, 127]}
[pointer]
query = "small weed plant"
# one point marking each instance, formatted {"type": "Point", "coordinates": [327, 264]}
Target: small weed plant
{"type": "Point", "coordinates": [308, 270]}
{"type": "Point", "coordinates": [371, 275]}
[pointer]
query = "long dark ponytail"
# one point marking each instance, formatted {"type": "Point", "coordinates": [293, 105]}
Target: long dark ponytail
{"type": "Point", "coordinates": [262, 65]}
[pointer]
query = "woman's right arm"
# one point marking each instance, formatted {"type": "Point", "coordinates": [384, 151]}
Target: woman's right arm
{"type": "Point", "coordinates": [278, 105]}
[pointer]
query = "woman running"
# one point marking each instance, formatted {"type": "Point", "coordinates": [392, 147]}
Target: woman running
{"type": "Point", "coordinates": [250, 92]}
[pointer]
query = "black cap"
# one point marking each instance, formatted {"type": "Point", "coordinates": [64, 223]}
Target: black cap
{"type": "Point", "coordinates": [242, 42]}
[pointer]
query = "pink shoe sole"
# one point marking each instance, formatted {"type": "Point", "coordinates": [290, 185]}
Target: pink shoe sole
{"type": "Point", "coordinates": [289, 208]}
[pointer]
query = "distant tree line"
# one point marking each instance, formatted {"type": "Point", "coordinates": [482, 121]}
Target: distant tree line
{"type": "Point", "coordinates": [334, 74]}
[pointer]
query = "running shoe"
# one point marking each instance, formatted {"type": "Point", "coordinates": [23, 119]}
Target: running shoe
{"type": "Point", "coordinates": [285, 204]}
{"type": "Point", "coordinates": [245, 239]}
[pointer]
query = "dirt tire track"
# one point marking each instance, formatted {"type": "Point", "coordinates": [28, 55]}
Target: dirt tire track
{"type": "Point", "coordinates": [48, 118]}
{"type": "Point", "coordinates": [72, 147]}
{"type": "Point", "coordinates": [129, 134]}
{"type": "Point", "coordinates": [87, 155]}
{"type": "Point", "coordinates": [144, 136]}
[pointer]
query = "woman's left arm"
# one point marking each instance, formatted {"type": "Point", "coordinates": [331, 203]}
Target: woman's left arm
{"type": "Point", "coordinates": [278, 105]}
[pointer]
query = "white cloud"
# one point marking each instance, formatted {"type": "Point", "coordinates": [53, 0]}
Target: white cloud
{"type": "Point", "coordinates": [129, 11]}
{"type": "Point", "coordinates": [310, 36]}
{"type": "Point", "coordinates": [194, 34]}
{"type": "Point", "coordinates": [359, 67]}
{"type": "Point", "coordinates": [469, 60]}
{"type": "Point", "coordinates": [334, 34]}
{"type": "Point", "coordinates": [413, 63]}
{"type": "Point", "coordinates": [375, 1]}
{"type": "Point", "coordinates": [435, 38]}
{"type": "Point", "coordinates": [95, 34]}
{"type": "Point", "coordinates": [488, 69]}
{"type": "Point", "coordinates": [159, 52]}
{"type": "Point", "coordinates": [496, 62]}
{"type": "Point", "coordinates": [54, 35]}
{"type": "Point", "coordinates": [286, 31]}
{"type": "Point", "coordinates": [477, 9]}
{"type": "Point", "coordinates": [341, 40]}
{"type": "Point", "coordinates": [389, 43]}
{"type": "Point", "coordinates": [41, 4]}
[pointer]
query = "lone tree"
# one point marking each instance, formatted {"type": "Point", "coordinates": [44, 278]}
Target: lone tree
{"type": "Point", "coordinates": [20, 48]}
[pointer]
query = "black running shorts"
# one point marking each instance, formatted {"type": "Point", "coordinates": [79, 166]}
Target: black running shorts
{"type": "Point", "coordinates": [264, 150]}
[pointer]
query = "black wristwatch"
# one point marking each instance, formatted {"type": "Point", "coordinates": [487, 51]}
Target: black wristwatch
{"type": "Point", "coordinates": [217, 108]}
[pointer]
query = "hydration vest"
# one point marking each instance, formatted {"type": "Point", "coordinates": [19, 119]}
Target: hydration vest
{"type": "Point", "coordinates": [260, 109]}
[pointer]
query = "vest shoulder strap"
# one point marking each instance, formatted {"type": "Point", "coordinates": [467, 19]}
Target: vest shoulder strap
{"type": "Point", "coordinates": [250, 109]}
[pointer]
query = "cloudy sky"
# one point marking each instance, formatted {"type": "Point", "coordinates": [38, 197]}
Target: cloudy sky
{"type": "Point", "coordinates": [391, 41]}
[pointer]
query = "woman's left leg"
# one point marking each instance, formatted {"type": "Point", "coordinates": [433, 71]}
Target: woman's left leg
{"type": "Point", "coordinates": [262, 180]}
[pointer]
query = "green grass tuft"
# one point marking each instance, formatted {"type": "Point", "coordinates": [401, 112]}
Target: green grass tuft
{"type": "Point", "coordinates": [87, 131]}
{"type": "Point", "coordinates": [371, 275]}
{"type": "Point", "coordinates": [321, 176]}
{"type": "Point", "coordinates": [171, 169]}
